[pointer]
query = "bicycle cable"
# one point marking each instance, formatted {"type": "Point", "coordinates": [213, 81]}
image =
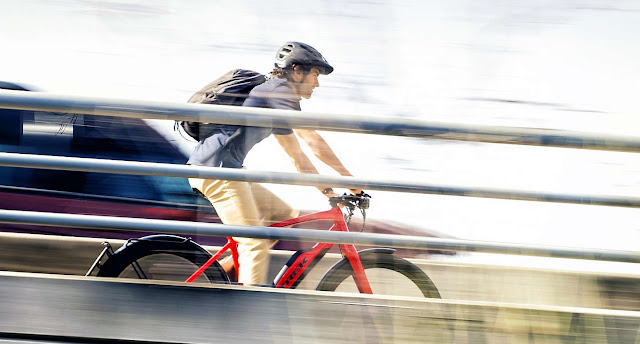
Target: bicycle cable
{"type": "Point", "coordinates": [364, 219]}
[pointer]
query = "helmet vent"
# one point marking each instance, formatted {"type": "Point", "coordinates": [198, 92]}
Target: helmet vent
{"type": "Point", "coordinates": [284, 52]}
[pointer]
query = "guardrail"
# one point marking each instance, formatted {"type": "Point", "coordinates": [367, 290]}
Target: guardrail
{"type": "Point", "coordinates": [320, 121]}
{"type": "Point", "coordinates": [185, 171]}
{"type": "Point", "coordinates": [306, 235]}
{"type": "Point", "coordinates": [41, 308]}
{"type": "Point", "coordinates": [583, 323]}
{"type": "Point", "coordinates": [293, 119]}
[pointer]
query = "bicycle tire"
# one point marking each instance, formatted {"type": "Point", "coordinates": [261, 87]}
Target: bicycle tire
{"type": "Point", "coordinates": [380, 324]}
{"type": "Point", "coordinates": [148, 251]}
{"type": "Point", "coordinates": [337, 274]}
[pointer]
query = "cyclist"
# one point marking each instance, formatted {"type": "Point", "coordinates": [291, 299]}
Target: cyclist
{"type": "Point", "coordinates": [295, 76]}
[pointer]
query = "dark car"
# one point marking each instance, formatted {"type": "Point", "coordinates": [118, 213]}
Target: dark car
{"type": "Point", "coordinates": [73, 192]}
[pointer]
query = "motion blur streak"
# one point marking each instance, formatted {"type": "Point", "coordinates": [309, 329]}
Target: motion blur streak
{"type": "Point", "coordinates": [566, 64]}
{"type": "Point", "coordinates": [494, 63]}
{"type": "Point", "coordinates": [508, 303]}
{"type": "Point", "coordinates": [169, 312]}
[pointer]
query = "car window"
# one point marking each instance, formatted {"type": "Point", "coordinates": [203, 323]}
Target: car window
{"type": "Point", "coordinates": [95, 137]}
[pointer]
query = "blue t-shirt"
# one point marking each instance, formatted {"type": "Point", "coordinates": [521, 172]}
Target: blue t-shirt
{"type": "Point", "coordinates": [229, 145]}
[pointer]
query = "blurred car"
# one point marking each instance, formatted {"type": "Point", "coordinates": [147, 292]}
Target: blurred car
{"type": "Point", "coordinates": [74, 192]}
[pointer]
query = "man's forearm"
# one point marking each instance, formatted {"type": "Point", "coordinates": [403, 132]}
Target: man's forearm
{"type": "Point", "coordinates": [322, 151]}
{"type": "Point", "coordinates": [304, 165]}
{"type": "Point", "coordinates": [331, 160]}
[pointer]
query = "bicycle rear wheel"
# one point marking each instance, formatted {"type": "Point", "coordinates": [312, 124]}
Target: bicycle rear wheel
{"type": "Point", "coordinates": [387, 275]}
{"type": "Point", "coordinates": [162, 257]}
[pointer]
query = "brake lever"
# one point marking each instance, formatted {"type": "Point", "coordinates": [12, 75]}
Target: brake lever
{"type": "Point", "coordinates": [363, 202]}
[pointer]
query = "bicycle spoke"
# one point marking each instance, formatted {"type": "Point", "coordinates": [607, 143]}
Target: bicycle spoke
{"type": "Point", "coordinates": [138, 269]}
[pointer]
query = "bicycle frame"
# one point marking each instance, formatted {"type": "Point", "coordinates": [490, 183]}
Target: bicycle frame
{"type": "Point", "coordinates": [294, 271]}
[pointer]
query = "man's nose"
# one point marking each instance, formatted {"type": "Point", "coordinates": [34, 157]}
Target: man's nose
{"type": "Point", "coordinates": [317, 84]}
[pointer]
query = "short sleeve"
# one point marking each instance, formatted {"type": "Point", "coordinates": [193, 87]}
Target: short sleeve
{"type": "Point", "coordinates": [282, 131]}
{"type": "Point", "coordinates": [283, 98]}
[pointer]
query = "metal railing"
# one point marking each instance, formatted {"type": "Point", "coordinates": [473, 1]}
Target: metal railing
{"type": "Point", "coordinates": [306, 235]}
{"type": "Point", "coordinates": [62, 306]}
{"type": "Point", "coordinates": [186, 171]}
{"type": "Point", "coordinates": [292, 119]}
{"type": "Point", "coordinates": [320, 121]}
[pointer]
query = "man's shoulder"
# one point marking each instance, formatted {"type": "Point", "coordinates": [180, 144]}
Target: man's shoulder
{"type": "Point", "coordinates": [273, 85]}
{"type": "Point", "coordinates": [274, 93]}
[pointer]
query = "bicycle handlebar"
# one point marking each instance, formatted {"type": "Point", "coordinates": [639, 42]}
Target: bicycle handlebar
{"type": "Point", "coordinates": [360, 200]}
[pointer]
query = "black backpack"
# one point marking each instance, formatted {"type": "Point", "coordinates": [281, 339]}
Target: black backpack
{"type": "Point", "coordinates": [230, 89]}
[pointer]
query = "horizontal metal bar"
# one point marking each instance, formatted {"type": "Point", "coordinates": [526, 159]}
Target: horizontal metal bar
{"type": "Point", "coordinates": [306, 235]}
{"type": "Point", "coordinates": [76, 309]}
{"type": "Point", "coordinates": [187, 171]}
{"type": "Point", "coordinates": [20, 337]}
{"type": "Point", "coordinates": [319, 121]}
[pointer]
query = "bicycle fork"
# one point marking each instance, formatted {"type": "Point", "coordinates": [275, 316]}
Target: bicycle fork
{"type": "Point", "coordinates": [359, 276]}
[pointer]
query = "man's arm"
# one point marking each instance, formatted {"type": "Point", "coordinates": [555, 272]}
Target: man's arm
{"type": "Point", "coordinates": [300, 160]}
{"type": "Point", "coordinates": [321, 149]}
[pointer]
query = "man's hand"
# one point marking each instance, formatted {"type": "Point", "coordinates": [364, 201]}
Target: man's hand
{"type": "Point", "coordinates": [330, 193]}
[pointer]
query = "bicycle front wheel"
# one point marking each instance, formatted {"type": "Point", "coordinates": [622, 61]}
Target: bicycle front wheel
{"type": "Point", "coordinates": [387, 275]}
{"type": "Point", "coordinates": [163, 257]}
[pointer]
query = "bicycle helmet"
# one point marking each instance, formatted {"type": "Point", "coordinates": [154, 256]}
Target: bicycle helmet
{"type": "Point", "coordinates": [302, 54]}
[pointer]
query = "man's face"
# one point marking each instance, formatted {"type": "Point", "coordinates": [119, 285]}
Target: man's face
{"type": "Point", "coordinates": [308, 83]}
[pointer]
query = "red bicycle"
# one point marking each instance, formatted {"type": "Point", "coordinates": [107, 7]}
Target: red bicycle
{"type": "Point", "coordinates": [374, 270]}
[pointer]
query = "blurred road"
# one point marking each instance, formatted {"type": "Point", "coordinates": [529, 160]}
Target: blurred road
{"type": "Point", "coordinates": [481, 304]}
{"type": "Point", "coordinates": [593, 287]}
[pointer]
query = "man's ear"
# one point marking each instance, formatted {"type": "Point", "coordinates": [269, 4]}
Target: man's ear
{"type": "Point", "coordinates": [298, 74]}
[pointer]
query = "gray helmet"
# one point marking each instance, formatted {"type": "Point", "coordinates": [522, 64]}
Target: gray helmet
{"type": "Point", "coordinates": [302, 54]}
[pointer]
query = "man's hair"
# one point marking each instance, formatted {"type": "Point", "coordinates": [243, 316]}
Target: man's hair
{"type": "Point", "coordinates": [280, 73]}
{"type": "Point", "coordinates": [287, 73]}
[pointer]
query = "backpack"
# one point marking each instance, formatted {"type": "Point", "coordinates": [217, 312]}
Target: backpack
{"type": "Point", "coordinates": [230, 89]}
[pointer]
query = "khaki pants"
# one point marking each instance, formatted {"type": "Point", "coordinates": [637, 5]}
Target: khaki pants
{"type": "Point", "coordinates": [250, 204]}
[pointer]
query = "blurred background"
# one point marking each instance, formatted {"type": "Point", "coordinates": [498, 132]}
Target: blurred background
{"type": "Point", "coordinates": [563, 64]}
{"type": "Point", "coordinates": [546, 64]}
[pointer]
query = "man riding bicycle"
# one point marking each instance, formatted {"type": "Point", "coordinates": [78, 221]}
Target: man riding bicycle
{"type": "Point", "coordinates": [295, 76]}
